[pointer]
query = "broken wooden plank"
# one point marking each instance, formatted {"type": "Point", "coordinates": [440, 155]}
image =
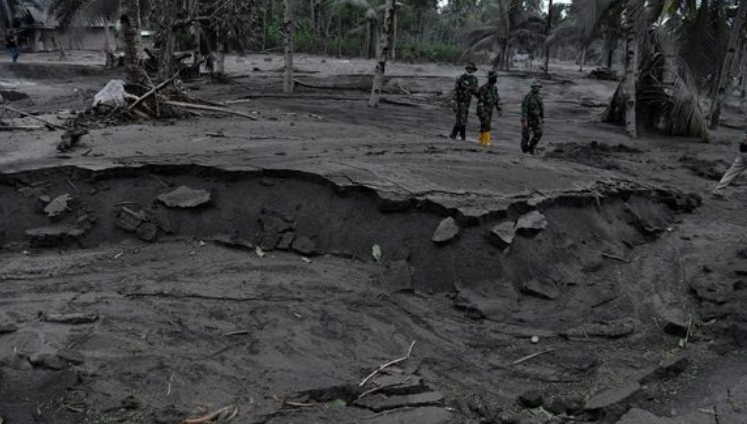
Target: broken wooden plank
{"type": "Point", "coordinates": [48, 124]}
{"type": "Point", "coordinates": [210, 109]}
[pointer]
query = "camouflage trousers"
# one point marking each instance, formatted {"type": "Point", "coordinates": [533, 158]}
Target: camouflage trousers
{"type": "Point", "coordinates": [531, 135]}
{"type": "Point", "coordinates": [486, 118]}
{"type": "Point", "coordinates": [461, 110]}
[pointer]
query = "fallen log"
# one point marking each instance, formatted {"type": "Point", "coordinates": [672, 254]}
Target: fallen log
{"type": "Point", "coordinates": [21, 127]}
{"type": "Point", "coordinates": [151, 92]}
{"type": "Point", "coordinates": [210, 109]}
{"type": "Point", "coordinates": [46, 123]}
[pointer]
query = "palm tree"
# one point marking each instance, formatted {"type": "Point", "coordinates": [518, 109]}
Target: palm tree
{"type": "Point", "coordinates": [383, 52]}
{"type": "Point", "coordinates": [288, 47]}
{"type": "Point", "coordinates": [727, 66]}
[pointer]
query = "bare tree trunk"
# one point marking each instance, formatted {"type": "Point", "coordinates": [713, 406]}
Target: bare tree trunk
{"type": "Point", "coordinates": [221, 65]}
{"type": "Point", "coordinates": [582, 59]}
{"type": "Point", "coordinates": [167, 36]}
{"type": "Point", "coordinates": [131, 37]}
{"type": "Point", "coordinates": [288, 47]}
{"type": "Point", "coordinates": [727, 66]}
{"type": "Point", "coordinates": [394, 36]}
{"type": "Point", "coordinates": [109, 45]}
{"type": "Point", "coordinates": [630, 80]}
{"type": "Point", "coordinates": [547, 35]}
{"type": "Point", "coordinates": [383, 52]}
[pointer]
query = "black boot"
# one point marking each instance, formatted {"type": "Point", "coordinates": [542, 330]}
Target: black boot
{"type": "Point", "coordinates": [463, 132]}
{"type": "Point", "coordinates": [454, 132]}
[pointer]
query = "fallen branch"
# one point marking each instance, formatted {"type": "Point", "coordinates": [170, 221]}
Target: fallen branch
{"type": "Point", "coordinates": [229, 412]}
{"type": "Point", "coordinates": [21, 127]}
{"type": "Point", "coordinates": [46, 123]}
{"type": "Point", "coordinates": [387, 365]}
{"type": "Point", "coordinates": [615, 257]}
{"type": "Point", "coordinates": [151, 92]}
{"type": "Point", "coordinates": [299, 404]}
{"type": "Point", "coordinates": [210, 108]}
{"type": "Point", "coordinates": [532, 356]}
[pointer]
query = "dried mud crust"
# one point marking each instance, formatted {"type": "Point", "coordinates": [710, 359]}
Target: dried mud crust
{"type": "Point", "coordinates": [293, 304]}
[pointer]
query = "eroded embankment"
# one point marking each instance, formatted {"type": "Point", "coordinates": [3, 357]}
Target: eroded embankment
{"type": "Point", "coordinates": [500, 257]}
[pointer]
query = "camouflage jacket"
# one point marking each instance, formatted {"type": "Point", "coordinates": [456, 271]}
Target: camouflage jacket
{"type": "Point", "coordinates": [465, 88]}
{"type": "Point", "coordinates": [488, 98]}
{"type": "Point", "coordinates": [532, 108]}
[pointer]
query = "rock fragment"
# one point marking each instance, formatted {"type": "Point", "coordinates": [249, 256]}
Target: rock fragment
{"type": "Point", "coordinates": [47, 361]}
{"type": "Point", "coordinates": [304, 246]}
{"type": "Point", "coordinates": [542, 288]}
{"type": "Point", "coordinates": [608, 329]}
{"type": "Point", "coordinates": [74, 318]}
{"type": "Point", "coordinates": [612, 396]}
{"type": "Point", "coordinates": [502, 235]}
{"type": "Point", "coordinates": [185, 197]}
{"type": "Point", "coordinates": [531, 223]}
{"type": "Point", "coordinates": [531, 399]}
{"type": "Point", "coordinates": [58, 206]}
{"type": "Point", "coordinates": [53, 235]}
{"type": "Point", "coordinates": [447, 230]}
{"type": "Point", "coordinates": [378, 403]}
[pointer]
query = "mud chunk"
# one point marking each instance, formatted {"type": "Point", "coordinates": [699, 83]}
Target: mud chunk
{"type": "Point", "coordinates": [609, 329]}
{"type": "Point", "coordinates": [7, 325]}
{"type": "Point", "coordinates": [426, 415]}
{"type": "Point", "coordinates": [447, 230]}
{"type": "Point", "coordinates": [531, 223]}
{"type": "Point", "coordinates": [676, 321]}
{"type": "Point", "coordinates": [185, 197]}
{"type": "Point", "coordinates": [379, 403]}
{"type": "Point", "coordinates": [71, 356]}
{"type": "Point", "coordinates": [147, 231]}
{"type": "Point", "coordinates": [47, 361]}
{"type": "Point", "coordinates": [611, 396]}
{"type": "Point", "coordinates": [286, 241]}
{"type": "Point", "coordinates": [398, 385]}
{"type": "Point", "coordinates": [304, 246]}
{"type": "Point", "coordinates": [129, 219]}
{"type": "Point", "coordinates": [502, 235]}
{"type": "Point", "coordinates": [666, 369]}
{"type": "Point", "coordinates": [542, 288]}
{"type": "Point", "coordinates": [73, 319]}
{"type": "Point", "coordinates": [531, 399]}
{"type": "Point", "coordinates": [53, 235]}
{"type": "Point", "coordinates": [739, 332]}
{"type": "Point", "coordinates": [639, 416]}
{"type": "Point", "coordinates": [233, 241]}
{"type": "Point", "coordinates": [397, 276]}
{"type": "Point", "coordinates": [58, 206]}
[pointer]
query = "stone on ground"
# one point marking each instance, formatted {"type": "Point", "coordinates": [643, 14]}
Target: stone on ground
{"type": "Point", "coordinates": [531, 223]}
{"type": "Point", "coordinates": [543, 288]}
{"type": "Point", "coordinates": [447, 230]}
{"type": "Point", "coordinates": [502, 235]}
{"type": "Point", "coordinates": [185, 197]}
{"type": "Point", "coordinates": [612, 396]}
{"type": "Point", "coordinates": [379, 402]}
{"type": "Point", "coordinates": [304, 246]}
{"type": "Point", "coordinates": [58, 206]}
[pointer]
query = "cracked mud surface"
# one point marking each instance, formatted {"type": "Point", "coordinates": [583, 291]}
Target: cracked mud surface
{"type": "Point", "coordinates": [198, 320]}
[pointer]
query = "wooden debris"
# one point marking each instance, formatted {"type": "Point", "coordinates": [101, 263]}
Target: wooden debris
{"type": "Point", "coordinates": [50, 125]}
{"type": "Point", "coordinates": [210, 109]}
{"type": "Point", "coordinates": [532, 356]}
{"type": "Point", "coordinates": [151, 92]}
{"type": "Point", "coordinates": [225, 414]}
{"type": "Point", "coordinates": [387, 365]}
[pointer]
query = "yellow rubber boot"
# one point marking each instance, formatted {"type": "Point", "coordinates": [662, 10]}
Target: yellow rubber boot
{"type": "Point", "coordinates": [488, 139]}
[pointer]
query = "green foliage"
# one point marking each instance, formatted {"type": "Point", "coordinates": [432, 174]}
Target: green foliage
{"type": "Point", "coordinates": [430, 52]}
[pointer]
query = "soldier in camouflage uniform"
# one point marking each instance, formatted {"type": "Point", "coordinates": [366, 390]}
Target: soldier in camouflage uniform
{"type": "Point", "coordinates": [465, 88]}
{"type": "Point", "coordinates": [532, 119]}
{"type": "Point", "coordinates": [487, 99]}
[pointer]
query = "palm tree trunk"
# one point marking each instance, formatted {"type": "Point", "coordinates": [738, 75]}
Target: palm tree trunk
{"type": "Point", "coordinates": [383, 52]}
{"type": "Point", "coordinates": [131, 36]}
{"type": "Point", "coordinates": [167, 36]}
{"type": "Point", "coordinates": [631, 75]}
{"type": "Point", "coordinates": [394, 35]}
{"type": "Point", "coordinates": [724, 77]}
{"type": "Point", "coordinates": [288, 47]}
{"type": "Point", "coordinates": [547, 34]}
{"type": "Point", "coordinates": [582, 59]}
{"type": "Point", "coordinates": [109, 45]}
